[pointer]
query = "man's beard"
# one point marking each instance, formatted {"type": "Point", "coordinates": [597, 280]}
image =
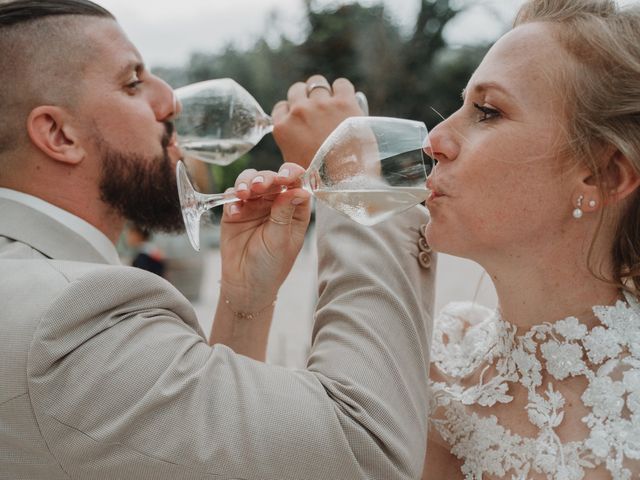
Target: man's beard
{"type": "Point", "coordinates": [142, 189]}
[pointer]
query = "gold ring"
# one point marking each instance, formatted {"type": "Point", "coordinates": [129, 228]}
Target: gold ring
{"type": "Point", "coordinates": [312, 86]}
{"type": "Point", "coordinates": [278, 222]}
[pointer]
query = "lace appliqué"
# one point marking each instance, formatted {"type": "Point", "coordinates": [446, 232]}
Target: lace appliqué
{"type": "Point", "coordinates": [469, 338]}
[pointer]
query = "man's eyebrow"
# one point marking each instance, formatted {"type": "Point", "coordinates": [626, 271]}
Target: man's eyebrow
{"type": "Point", "coordinates": [133, 66]}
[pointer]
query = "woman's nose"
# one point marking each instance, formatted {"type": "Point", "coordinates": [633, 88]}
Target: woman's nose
{"type": "Point", "coordinates": [441, 143]}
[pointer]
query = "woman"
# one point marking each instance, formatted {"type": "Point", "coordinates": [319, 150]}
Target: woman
{"type": "Point", "coordinates": [537, 180]}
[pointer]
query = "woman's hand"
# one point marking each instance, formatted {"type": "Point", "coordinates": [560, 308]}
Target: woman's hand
{"type": "Point", "coordinates": [262, 236]}
{"type": "Point", "coordinates": [310, 113]}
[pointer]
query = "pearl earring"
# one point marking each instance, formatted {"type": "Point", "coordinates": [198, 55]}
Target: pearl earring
{"type": "Point", "coordinates": [577, 213]}
{"type": "Point", "coordinates": [593, 204]}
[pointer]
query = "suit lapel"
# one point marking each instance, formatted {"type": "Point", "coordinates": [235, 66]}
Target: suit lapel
{"type": "Point", "coordinates": [51, 238]}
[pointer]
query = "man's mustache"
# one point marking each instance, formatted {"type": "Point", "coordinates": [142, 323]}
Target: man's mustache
{"type": "Point", "coordinates": [169, 129]}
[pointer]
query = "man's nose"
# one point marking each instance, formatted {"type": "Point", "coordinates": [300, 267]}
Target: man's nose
{"type": "Point", "coordinates": [166, 104]}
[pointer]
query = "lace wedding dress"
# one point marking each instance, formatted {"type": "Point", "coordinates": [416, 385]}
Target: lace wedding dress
{"type": "Point", "coordinates": [473, 342]}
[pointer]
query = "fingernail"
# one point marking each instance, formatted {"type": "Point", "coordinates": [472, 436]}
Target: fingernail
{"type": "Point", "coordinates": [234, 210]}
{"type": "Point", "coordinates": [284, 172]}
{"type": "Point", "coordinates": [297, 201]}
{"type": "Point", "coordinates": [258, 179]}
{"type": "Point", "coordinates": [241, 187]}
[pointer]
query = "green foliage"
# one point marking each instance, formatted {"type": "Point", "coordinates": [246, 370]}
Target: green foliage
{"type": "Point", "coordinates": [411, 76]}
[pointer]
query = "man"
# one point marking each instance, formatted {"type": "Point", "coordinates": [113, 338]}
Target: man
{"type": "Point", "coordinates": [104, 372]}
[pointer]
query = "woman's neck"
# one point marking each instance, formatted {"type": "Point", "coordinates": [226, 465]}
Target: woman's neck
{"type": "Point", "coordinates": [548, 291]}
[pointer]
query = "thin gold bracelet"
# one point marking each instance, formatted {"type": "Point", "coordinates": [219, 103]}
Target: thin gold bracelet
{"type": "Point", "coordinates": [247, 315]}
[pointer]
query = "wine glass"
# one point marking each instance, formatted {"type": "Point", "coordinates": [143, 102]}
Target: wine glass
{"type": "Point", "coordinates": [221, 121]}
{"type": "Point", "coordinates": [369, 169]}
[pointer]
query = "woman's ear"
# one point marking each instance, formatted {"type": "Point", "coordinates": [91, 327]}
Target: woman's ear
{"type": "Point", "coordinates": [52, 133]}
{"type": "Point", "coordinates": [621, 178]}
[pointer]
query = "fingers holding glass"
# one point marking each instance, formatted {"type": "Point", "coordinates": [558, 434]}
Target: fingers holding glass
{"type": "Point", "coordinates": [297, 93]}
{"type": "Point", "coordinates": [318, 87]}
{"type": "Point", "coordinates": [280, 111]}
{"type": "Point", "coordinates": [265, 190]}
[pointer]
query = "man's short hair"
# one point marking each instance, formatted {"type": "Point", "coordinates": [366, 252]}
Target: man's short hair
{"type": "Point", "coordinates": [41, 60]}
{"type": "Point", "coordinates": [14, 12]}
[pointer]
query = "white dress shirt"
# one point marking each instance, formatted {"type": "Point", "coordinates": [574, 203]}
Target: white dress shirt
{"type": "Point", "coordinates": [91, 234]}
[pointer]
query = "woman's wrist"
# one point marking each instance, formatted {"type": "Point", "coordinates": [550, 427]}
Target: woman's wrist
{"type": "Point", "coordinates": [244, 331]}
{"type": "Point", "coordinates": [241, 313]}
{"type": "Point", "coordinates": [243, 302]}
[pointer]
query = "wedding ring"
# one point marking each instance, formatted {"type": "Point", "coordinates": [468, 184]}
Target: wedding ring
{"type": "Point", "coordinates": [278, 222]}
{"type": "Point", "coordinates": [312, 86]}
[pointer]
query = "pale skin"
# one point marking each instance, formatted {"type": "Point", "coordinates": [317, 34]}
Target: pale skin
{"type": "Point", "coordinates": [504, 196]}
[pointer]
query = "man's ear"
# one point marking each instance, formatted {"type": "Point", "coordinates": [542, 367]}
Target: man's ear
{"type": "Point", "coordinates": [51, 131]}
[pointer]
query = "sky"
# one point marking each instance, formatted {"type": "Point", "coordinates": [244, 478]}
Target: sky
{"type": "Point", "coordinates": [170, 30]}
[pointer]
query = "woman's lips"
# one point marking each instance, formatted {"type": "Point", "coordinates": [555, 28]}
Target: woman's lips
{"type": "Point", "coordinates": [435, 193]}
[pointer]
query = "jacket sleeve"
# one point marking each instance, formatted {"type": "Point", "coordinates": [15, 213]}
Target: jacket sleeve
{"type": "Point", "coordinates": [123, 385]}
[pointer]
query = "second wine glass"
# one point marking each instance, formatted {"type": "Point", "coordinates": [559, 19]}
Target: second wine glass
{"type": "Point", "coordinates": [368, 169]}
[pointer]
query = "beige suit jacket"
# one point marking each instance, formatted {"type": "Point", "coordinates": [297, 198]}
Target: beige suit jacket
{"type": "Point", "coordinates": [105, 374]}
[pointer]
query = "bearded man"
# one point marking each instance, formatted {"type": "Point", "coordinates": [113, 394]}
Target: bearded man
{"type": "Point", "coordinates": [104, 371]}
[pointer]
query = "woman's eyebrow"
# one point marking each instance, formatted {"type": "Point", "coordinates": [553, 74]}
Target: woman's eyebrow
{"type": "Point", "coordinates": [483, 87]}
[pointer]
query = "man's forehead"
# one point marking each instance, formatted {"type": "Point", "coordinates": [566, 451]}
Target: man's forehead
{"type": "Point", "coordinates": [112, 47]}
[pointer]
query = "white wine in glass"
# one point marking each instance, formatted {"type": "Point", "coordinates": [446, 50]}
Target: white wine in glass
{"type": "Point", "coordinates": [220, 121]}
{"type": "Point", "coordinates": [369, 169]}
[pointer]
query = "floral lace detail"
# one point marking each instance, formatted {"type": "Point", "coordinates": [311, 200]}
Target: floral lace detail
{"type": "Point", "coordinates": [470, 339]}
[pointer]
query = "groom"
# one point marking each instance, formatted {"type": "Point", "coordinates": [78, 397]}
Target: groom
{"type": "Point", "coordinates": [104, 372]}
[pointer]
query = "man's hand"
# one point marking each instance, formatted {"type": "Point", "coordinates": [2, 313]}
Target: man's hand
{"type": "Point", "coordinates": [310, 114]}
{"type": "Point", "coordinates": [262, 235]}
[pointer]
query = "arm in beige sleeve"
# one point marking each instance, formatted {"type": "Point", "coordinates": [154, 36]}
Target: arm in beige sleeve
{"type": "Point", "coordinates": [373, 331]}
{"type": "Point", "coordinates": [124, 386]}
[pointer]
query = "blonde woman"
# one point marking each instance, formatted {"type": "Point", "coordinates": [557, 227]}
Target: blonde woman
{"type": "Point", "coordinates": [537, 180]}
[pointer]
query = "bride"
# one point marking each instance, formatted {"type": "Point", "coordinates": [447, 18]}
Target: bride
{"type": "Point", "coordinates": [537, 180]}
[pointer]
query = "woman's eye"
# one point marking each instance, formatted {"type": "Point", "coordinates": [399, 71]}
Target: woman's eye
{"type": "Point", "coordinates": [486, 113]}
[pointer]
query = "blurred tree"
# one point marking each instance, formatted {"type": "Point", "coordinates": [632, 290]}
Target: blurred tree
{"type": "Point", "coordinates": [357, 42]}
{"type": "Point", "coordinates": [415, 76]}
{"type": "Point", "coordinates": [411, 77]}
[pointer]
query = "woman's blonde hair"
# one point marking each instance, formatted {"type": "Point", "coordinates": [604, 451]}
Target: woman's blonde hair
{"type": "Point", "coordinates": [603, 100]}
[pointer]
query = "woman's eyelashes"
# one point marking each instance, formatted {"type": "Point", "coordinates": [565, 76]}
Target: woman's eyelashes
{"type": "Point", "coordinates": [486, 113]}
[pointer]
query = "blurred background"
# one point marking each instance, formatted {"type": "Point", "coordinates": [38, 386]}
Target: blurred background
{"type": "Point", "coordinates": [412, 58]}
